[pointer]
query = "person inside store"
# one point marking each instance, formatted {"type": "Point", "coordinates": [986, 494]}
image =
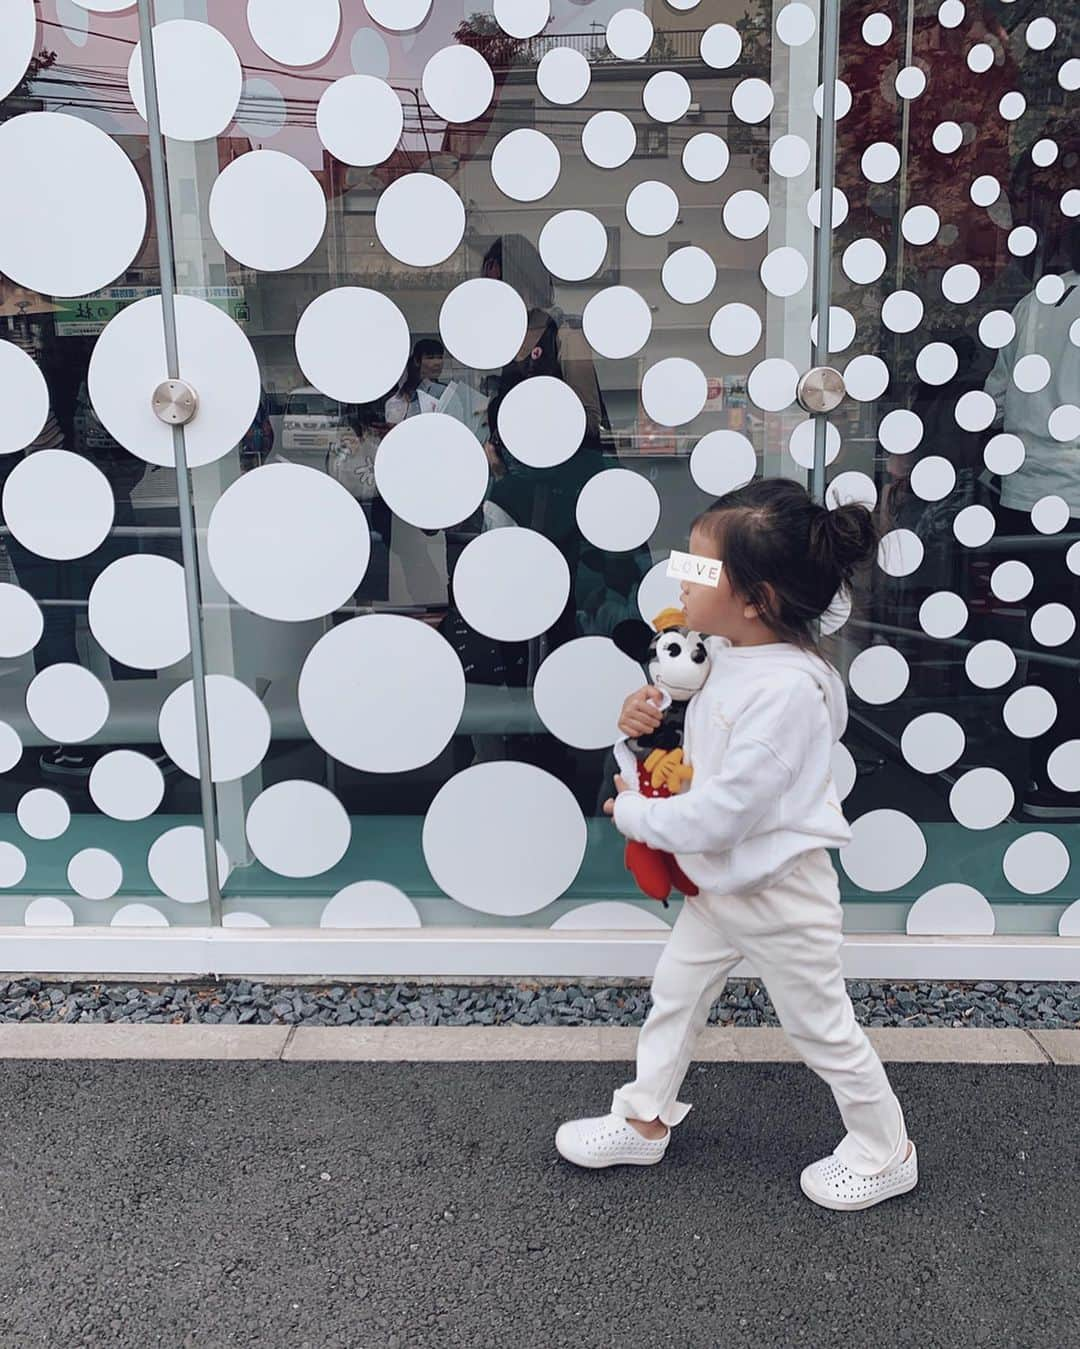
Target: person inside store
{"type": "Point", "coordinates": [351, 462]}
{"type": "Point", "coordinates": [421, 387]}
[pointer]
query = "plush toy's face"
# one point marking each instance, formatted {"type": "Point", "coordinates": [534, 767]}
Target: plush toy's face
{"type": "Point", "coordinates": [678, 662]}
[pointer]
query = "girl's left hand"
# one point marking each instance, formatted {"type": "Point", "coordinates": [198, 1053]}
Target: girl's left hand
{"type": "Point", "coordinates": [620, 786]}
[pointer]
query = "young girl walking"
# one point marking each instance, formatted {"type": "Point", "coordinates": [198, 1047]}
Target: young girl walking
{"type": "Point", "coordinates": [752, 833]}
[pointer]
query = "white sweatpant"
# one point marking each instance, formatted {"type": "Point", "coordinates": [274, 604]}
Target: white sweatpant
{"type": "Point", "coordinates": [791, 934]}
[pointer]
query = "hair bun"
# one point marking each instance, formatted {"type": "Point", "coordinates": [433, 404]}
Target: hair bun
{"type": "Point", "coordinates": [846, 535]}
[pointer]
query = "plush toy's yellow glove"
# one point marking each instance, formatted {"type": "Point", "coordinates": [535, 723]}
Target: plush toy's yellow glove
{"type": "Point", "coordinates": [668, 770]}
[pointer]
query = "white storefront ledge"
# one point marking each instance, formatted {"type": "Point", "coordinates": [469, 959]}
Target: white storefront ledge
{"type": "Point", "coordinates": [496, 953]}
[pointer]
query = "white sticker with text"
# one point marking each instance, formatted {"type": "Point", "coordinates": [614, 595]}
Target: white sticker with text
{"type": "Point", "coordinates": [702, 571]}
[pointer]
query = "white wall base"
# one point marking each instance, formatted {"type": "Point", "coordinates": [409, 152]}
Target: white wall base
{"type": "Point", "coordinates": [498, 953]}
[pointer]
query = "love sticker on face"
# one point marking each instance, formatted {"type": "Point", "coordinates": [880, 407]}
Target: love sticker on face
{"type": "Point", "coordinates": [702, 571]}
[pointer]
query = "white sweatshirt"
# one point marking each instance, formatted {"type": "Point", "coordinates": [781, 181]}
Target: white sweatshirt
{"type": "Point", "coordinates": [760, 737]}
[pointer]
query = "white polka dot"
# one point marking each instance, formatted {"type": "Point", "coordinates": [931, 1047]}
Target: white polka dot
{"type": "Point", "coordinates": [838, 612]}
{"type": "Point", "coordinates": [985, 190]}
{"type": "Point", "coordinates": [47, 911]}
{"type": "Point", "coordinates": [863, 261]}
{"type": "Point", "coordinates": [293, 36]}
{"type": "Point", "coordinates": [975, 410]}
{"type": "Point", "coordinates": [95, 873]}
{"type": "Point", "coordinates": [1069, 74]}
{"type": "Point", "coordinates": [746, 214]}
{"type": "Point", "coordinates": [1063, 766]}
{"type": "Point", "coordinates": [298, 828]}
{"type": "Point", "coordinates": [525, 164]}
{"type": "Point", "coordinates": [943, 614]}
{"type": "Point", "coordinates": [58, 504]}
{"type": "Point", "coordinates": [242, 918]}
{"type": "Point", "coordinates": [843, 100]}
{"type": "Point", "coordinates": [735, 329]}
{"type": "Point", "coordinates": [667, 96]}
{"type": "Point", "coordinates": [399, 16]}
{"type": "Point", "coordinates": [920, 224]}
{"type": "Point", "coordinates": [1022, 241]}
{"type": "Point", "coordinates": [772, 383]}
{"type": "Point", "coordinates": [933, 742]}
{"type": "Point", "coordinates": [887, 850]}
{"type": "Point", "coordinates": [673, 391]}
{"type": "Point", "coordinates": [790, 155]}
{"type": "Point", "coordinates": [359, 119]}
{"type": "Point", "coordinates": [21, 621]}
{"type": "Point", "coordinates": [1072, 559]}
{"type": "Point", "coordinates": [483, 323]}
{"type": "Point", "coordinates": [609, 915]}
{"type": "Point", "coordinates": [20, 35]}
{"type": "Point", "coordinates": [1030, 712]}
{"type": "Point", "coordinates": [841, 329]}
{"type": "Point", "coordinates": [352, 343]}
{"type": "Point", "coordinates": [937, 363]}
{"type": "Point", "coordinates": [850, 487]}
{"type": "Point", "coordinates": [11, 745]}
{"type": "Point", "coordinates": [878, 675]}
{"type": "Point", "coordinates": [369, 54]}
{"type": "Point", "coordinates": [239, 728]}
{"type": "Point", "coordinates": [126, 785]}
{"type": "Point", "coordinates": [398, 668]}
{"type": "Point", "coordinates": [866, 378]}
{"type": "Point", "coordinates": [981, 798]}
{"type": "Point", "coordinates": [952, 909]}
{"type": "Point", "coordinates": [951, 14]}
{"type": "Point", "coordinates": [629, 34]}
{"type": "Point", "coordinates": [12, 865]}
{"type": "Point", "coordinates": [689, 275]}
{"type": "Point", "coordinates": [573, 245]}
{"type": "Point", "coordinates": [199, 79]}
{"type": "Point", "coordinates": [796, 24]}
{"type": "Point", "coordinates": [752, 101]}
{"type": "Point", "coordinates": [948, 137]}
{"type": "Point", "coordinates": [177, 864]}
{"type": "Point", "coordinates": [652, 208]}
{"type": "Point", "coordinates": [522, 18]}
{"type": "Point", "coordinates": [1012, 105]}
{"type": "Point", "coordinates": [420, 219]}
{"type": "Point", "coordinates": [563, 76]}
{"type": "Point", "coordinates": [262, 112]}
{"type": "Point", "coordinates": [901, 431]}
{"type": "Point", "coordinates": [1004, 453]}
{"type": "Point", "coordinates": [980, 58]}
{"type": "Point", "coordinates": [328, 542]}
{"type": "Point", "coordinates": [580, 688]}
{"type": "Point", "coordinates": [458, 84]}
{"type": "Point", "coordinates": [784, 271]}
{"type": "Point", "coordinates": [138, 915]}
{"type": "Point", "coordinates": [960, 283]}
{"type": "Point", "coordinates": [617, 322]}
{"type": "Point", "coordinates": [215, 356]}
{"type": "Point", "coordinates": [542, 421]}
{"type": "Point", "coordinates": [1070, 203]}
{"type": "Point", "coordinates": [1044, 152]}
{"type": "Point", "coordinates": [705, 157]}
{"type": "Point", "coordinates": [910, 82]}
{"type": "Point", "coordinates": [721, 46]}
{"type": "Point", "coordinates": [618, 510]}
{"type": "Point", "coordinates": [367, 904]}
{"type": "Point", "coordinates": [839, 208]}
{"type": "Point", "coordinates": [997, 329]}
{"type": "Point", "coordinates": [43, 813]}
{"type": "Point", "coordinates": [1011, 581]}
{"type": "Point", "coordinates": [1036, 863]}
{"type": "Point", "coordinates": [431, 471]}
{"type": "Point", "coordinates": [1064, 422]}
{"type": "Point", "coordinates": [990, 664]}
{"type": "Point", "coordinates": [47, 161]}
{"type": "Point", "coordinates": [844, 771]}
{"type": "Point", "coordinates": [723, 461]}
{"type": "Point", "coordinates": [880, 162]}
{"type": "Point", "coordinates": [1031, 373]}
{"type": "Point", "coordinates": [801, 443]}
{"type": "Point", "coordinates": [1053, 624]}
{"type": "Point", "coordinates": [504, 838]}
{"type": "Point", "coordinates": [67, 703]}
{"type": "Point", "coordinates": [974, 526]}
{"type": "Point", "coordinates": [137, 611]}
{"type": "Point", "coordinates": [511, 584]}
{"type": "Point", "coordinates": [900, 552]}
{"type": "Point", "coordinates": [24, 396]}
{"type": "Point", "coordinates": [902, 311]}
{"type": "Point", "coordinates": [876, 29]}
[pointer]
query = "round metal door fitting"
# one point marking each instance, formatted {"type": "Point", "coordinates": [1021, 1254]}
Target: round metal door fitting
{"type": "Point", "coordinates": [174, 402]}
{"type": "Point", "coordinates": [821, 389]}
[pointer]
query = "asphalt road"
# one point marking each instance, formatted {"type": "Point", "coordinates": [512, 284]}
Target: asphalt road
{"type": "Point", "coordinates": [377, 1205]}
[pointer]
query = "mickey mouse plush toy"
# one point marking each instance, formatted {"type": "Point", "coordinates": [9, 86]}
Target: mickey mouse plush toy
{"type": "Point", "coordinates": [678, 664]}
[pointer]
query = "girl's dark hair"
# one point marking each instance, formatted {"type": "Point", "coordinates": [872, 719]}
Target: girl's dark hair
{"type": "Point", "coordinates": [785, 554]}
{"type": "Point", "coordinates": [426, 346]}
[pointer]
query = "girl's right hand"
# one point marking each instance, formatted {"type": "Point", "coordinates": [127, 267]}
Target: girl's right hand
{"type": "Point", "coordinates": [641, 713]}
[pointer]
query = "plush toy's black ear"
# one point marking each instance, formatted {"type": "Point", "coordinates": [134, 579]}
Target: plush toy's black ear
{"type": "Point", "coordinates": [633, 638]}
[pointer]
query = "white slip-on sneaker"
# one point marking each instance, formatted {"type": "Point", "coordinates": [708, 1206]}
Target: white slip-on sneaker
{"type": "Point", "coordinates": [832, 1183]}
{"type": "Point", "coordinates": [608, 1140]}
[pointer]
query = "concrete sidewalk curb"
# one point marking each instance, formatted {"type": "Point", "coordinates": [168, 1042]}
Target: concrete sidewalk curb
{"type": "Point", "coordinates": [464, 1044]}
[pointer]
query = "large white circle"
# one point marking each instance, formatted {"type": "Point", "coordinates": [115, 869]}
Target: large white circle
{"type": "Point", "coordinates": [900, 552]}
{"type": "Point", "coordinates": [705, 157]}
{"type": "Point", "coordinates": [981, 798]}
{"type": "Point", "coordinates": [43, 813]}
{"type": "Point", "coordinates": [483, 323]}
{"type": "Point", "coordinates": [420, 220]}
{"type": "Point", "coordinates": [511, 584]}
{"type": "Point", "coordinates": [666, 96]}
{"type": "Point", "coordinates": [673, 391]}
{"type": "Point", "coordinates": [990, 664]}
{"type": "Point", "coordinates": [267, 210]}
{"type": "Point", "coordinates": [721, 46]}
{"type": "Point", "coordinates": [49, 160]}
{"type": "Point", "coordinates": [573, 245]}
{"type": "Point", "coordinates": [863, 261]}
{"type": "Point", "coordinates": [177, 864]}
{"type": "Point", "coordinates": [689, 275]}
{"type": "Point", "coordinates": [617, 322]}
{"type": "Point", "coordinates": [746, 214]}
{"type": "Point", "coordinates": [431, 471]}
{"type": "Point", "coordinates": [542, 421]}
{"type": "Point", "coordinates": [291, 35]}
{"type": "Point", "coordinates": [526, 164]}
{"type": "Point", "coordinates": [504, 838]}
{"type": "Point", "coordinates": [366, 904]}
{"type": "Point", "coordinates": [887, 850]}
{"type": "Point", "coordinates": [67, 703]}
{"type": "Point", "coordinates": [239, 728]}
{"type": "Point", "coordinates": [359, 119]}
{"type": "Point", "coordinates": [933, 742]}
{"type": "Point", "coordinates": [902, 311]}
{"type": "Point", "coordinates": [138, 611]}
{"type": "Point", "coordinates": [563, 76]}
{"type": "Point", "coordinates": [735, 329]}
{"type": "Point", "coordinates": [772, 384]}
{"type": "Point", "coordinates": [580, 688]}
{"type": "Point", "coordinates": [58, 504]}
{"type": "Point", "coordinates": [618, 509]}
{"type": "Point", "coordinates": [21, 621]}
{"type": "Point", "coordinates": [399, 16]}
{"type": "Point", "coordinates": [199, 79]}
{"type": "Point", "coordinates": [629, 34]}
{"type": "Point", "coordinates": [382, 693]}
{"type": "Point", "coordinates": [458, 84]}
{"type": "Point", "coordinates": [215, 357]}
{"type": "Point", "coordinates": [879, 675]}
{"type": "Point", "coordinates": [352, 343]}
{"type": "Point", "coordinates": [752, 100]}
{"type": "Point", "coordinates": [1030, 712]}
{"type": "Point", "coordinates": [95, 874]}
{"type": "Point", "coordinates": [298, 828]}
{"type": "Point", "coordinates": [522, 18]}
{"type": "Point", "coordinates": [1036, 863]}
{"type": "Point", "coordinates": [126, 785]}
{"type": "Point", "coordinates": [974, 526]}
{"type": "Point", "coordinates": [652, 208]}
{"type": "Point", "coordinates": [722, 461]}
{"type": "Point", "coordinates": [943, 614]}
{"type": "Point", "coordinates": [24, 396]}
{"type": "Point", "coordinates": [900, 431]}
{"type": "Point", "coordinates": [328, 542]}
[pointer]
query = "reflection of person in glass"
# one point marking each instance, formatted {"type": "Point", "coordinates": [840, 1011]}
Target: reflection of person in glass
{"type": "Point", "coordinates": [422, 385]}
{"type": "Point", "coordinates": [1035, 383]}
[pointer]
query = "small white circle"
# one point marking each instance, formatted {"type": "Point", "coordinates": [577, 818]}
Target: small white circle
{"type": "Point", "coordinates": [960, 283]}
{"type": "Point", "coordinates": [948, 137]}
{"type": "Point", "coordinates": [878, 675]}
{"type": "Point", "coordinates": [239, 727]}
{"type": "Point", "coordinates": [863, 261]}
{"type": "Point", "coordinates": [563, 76]}
{"type": "Point", "coordinates": [359, 119]}
{"type": "Point", "coordinates": [880, 162]}
{"type": "Point", "coordinates": [689, 275]}
{"type": "Point", "coordinates": [735, 329]}
{"type": "Point", "coordinates": [608, 139]}
{"type": "Point", "coordinates": [526, 164]}
{"type": "Point", "coordinates": [722, 461]}
{"type": "Point", "coordinates": [67, 703]}
{"type": "Point", "coordinates": [1030, 712]}
{"type": "Point", "coordinates": [458, 84]}
{"type": "Point", "coordinates": [1063, 766]}
{"type": "Point", "coordinates": [997, 329]}
{"type": "Point", "coordinates": [483, 323]}
{"type": "Point", "coordinates": [366, 904]}
{"type": "Point", "coordinates": [1069, 74]}
{"type": "Point", "coordinates": [24, 396]}
{"type": "Point", "coordinates": [772, 384]}
{"type": "Point", "coordinates": [126, 785]}
{"type": "Point", "coordinates": [842, 100]}
{"type": "Point", "coordinates": [901, 431]}
{"type": "Point", "coordinates": [12, 865]}
{"type": "Point", "coordinates": [910, 82]}
{"type": "Point", "coordinates": [1004, 453]}
{"type": "Point", "coordinates": [721, 46]}
{"type": "Point", "coordinates": [58, 504]}
{"type": "Point", "coordinates": [752, 101]}
{"type": "Point", "coordinates": [790, 155]}
{"type": "Point", "coordinates": [975, 410]}
{"type": "Point", "coordinates": [802, 441]}
{"type": "Point", "coordinates": [900, 552]}
{"type": "Point", "coordinates": [522, 18]}
{"type": "Point", "coordinates": [902, 311]}
{"type": "Point", "coordinates": [746, 214]}
{"type": "Point", "coordinates": [618, 510]}
{"type": "Point", "coordinates": [1035, 863]}
{"type": "Point", "coordinates": [981, 798]}
{"type": "Point", "coordinates": [887, 850]}
{"type": "Point", "coordinates": [937, 363]}
{"type": "Point", "coordinates": [784, 271]}
{"type": "Point", "coordinates": [177, 864]}
{"type": "Point", "coordinates": [1012, 105]}
{"type": "Point", "coordinates": [580, 688]}
{"type": "Point", "coordinates": [980, 58]}
{"type": "Point", "coordinates": [11, 746]}
{"type": "Point", "coordinates": [839, 208]}
{"type": "Point", "coordinates": [974, 526]}
{"type": "Point", "coordinates": [95, 874]}
{"type": "Point", "coordinates": [1049, 289]}
{"type": "Point", "coordinates": [1022, 241]}
{"type": "Point", "coordinates": [298, 828]}
{"type": "Point", "coordinates": [511, 584]}
{"type": "Point", "coordinates": [933, 478]}
{"type": "Point", "coordinates": [420, 219]}
{"type": "Point", "coordinates": [985, 190]}
{"type": "Point", "coordinates": [943, 614]}
{"type": "Point", "coordinates": [138, 611]}
{"type": "Point", "coordinates": [877, 29]}
{"type": "Point", "coordinates": [1044, 152]}
{"type": "Point", "coordinates": [616, 322]}
{"type": "Point", "coordinates": [932, 742]}
{"type": "Point", "coordinates": [920, 224]}
{"type": "Point", "coordinates": [990, 664]}
{"type": "Point", "coordinates": [1064, 422]}
{"type": "Point", "coordinates": [431, 471]}
{"type": "Point", "coordinates": [652, 208]}
{"type": "Point", "coordinates": [542, 421]}
{"type": "Point", "coordinates": [705, 157]}
{"type": "Point", "coordinates": [573, 245]}
{"type": "Point", "coordinates": [795, 24]}
{"type": "Point", "coordinates": [1050, 514]}
{"type": "Point", "coordinates": [399, 16]}
{"type": "Point", "coordinates": [866, 378]}
{"type": "Point", "coordinates": [21, 621]}
{"type": "Point", "coordinates": [43, 814]}
{"type": "Point", "coordinates": [199, 79]}
{"type": "Point", "coordinates": [1032, 373]}
{"type": "Point", "coordinates": [293, 37]}
{"type": "Point", "coordinates": [851, 487]}
{"type": "Point", "coordinates": [673, 391]}
{"type": "Point", "coordinates": [1011, 581]}
{"type": "Point", "coordinates": [667, 96]}
{"type": "Point", "coordinates": [629, 34]}
{"type": "Point", "coordinates": [841, 328]}
{"type": "Point", "coordinates": [1053, 624]}
{"type": "Point", "coordinates": [951, 13]}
